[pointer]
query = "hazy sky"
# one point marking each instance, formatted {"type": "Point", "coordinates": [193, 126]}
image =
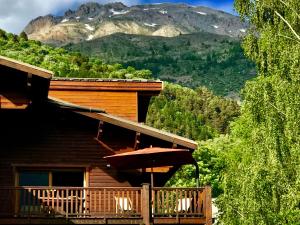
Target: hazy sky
{"type": "Point", "coordinates": [15, 14]}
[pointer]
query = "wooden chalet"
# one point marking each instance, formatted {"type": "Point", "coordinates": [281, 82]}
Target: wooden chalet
{"type": "Point", "coordinates": [54, 135]}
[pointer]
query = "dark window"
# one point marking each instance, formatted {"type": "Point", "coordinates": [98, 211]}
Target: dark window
{"type": "Point", "coordinates": [33, 178]}
{"type": "Point", "coordinates": [67, 178]}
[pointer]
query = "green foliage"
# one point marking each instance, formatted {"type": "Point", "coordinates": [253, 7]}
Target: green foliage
{"type": "Point", "coordinates": [195, 114]}
{"type": "Point", "coordinates": [261, 178]}
{"type": "Point", "coordinates": [62, 62]}
{"type": "Point", "coordinates": [199, 115]}
{"type": "Point", "coordinates": [211, 161]}
{"type": "Point", "coordinates": [193, 60]}
{"type": "Point", "coordinates": [24, 36]}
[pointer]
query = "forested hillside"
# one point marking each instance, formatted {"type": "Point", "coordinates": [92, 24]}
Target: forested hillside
{"type": "Point", "coordinates": [62, 62]}
{"type": "Point", "coordinates": [201, 116]}
{"type": "Point", "coordinates": [201, 59]}
{"type": "Point", "coordinates": [195, 114]}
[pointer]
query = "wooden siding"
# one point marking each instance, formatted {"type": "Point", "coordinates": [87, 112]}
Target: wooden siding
{"type": "Point", "coordinates": [54, 142]}
{"type": "Point", "coordinates": [124, 104]}
{"type": "Point", "coordinates": [125, 98]}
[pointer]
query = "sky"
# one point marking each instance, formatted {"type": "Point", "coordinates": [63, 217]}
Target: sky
{"type": "Point", "coordinates": [16, 14]}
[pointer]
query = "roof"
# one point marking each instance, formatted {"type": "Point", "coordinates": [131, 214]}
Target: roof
{"type": "Point", "coordinates": [25, 67]}
{"type": "Point", "coordinates": [142, 128]}
{"type": "Point", "coordinates": [88, 79]}
{"type": "Point", "coordinates": [105, 84]}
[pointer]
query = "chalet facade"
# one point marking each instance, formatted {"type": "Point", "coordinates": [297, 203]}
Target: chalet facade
{"type": "Point", "coordinates": [58, 137]}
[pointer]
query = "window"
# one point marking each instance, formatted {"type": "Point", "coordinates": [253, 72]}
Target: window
{"type": "Point", "coordinates": [38, 199]}
{"type": "Point", "coordinates": [55, 177]}
{"type": "Point", "coordinates": [67, 178]}
{"type": "Point", "coordinates": [33, 178]}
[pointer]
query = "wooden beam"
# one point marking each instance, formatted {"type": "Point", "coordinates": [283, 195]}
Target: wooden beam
{"type": "Point", "coordinates": [100, 130]}
{"type": "Point", "coordinates": [164, 169]}
{"type": "Point", "coordinates": [146, 212]}
{"type": "Point", "coordinates": [144, 129]}
{"type": "Point", "coordinates": [137, 141]}
{"type": "Point", "coordinates": [25, 67]}
{"type": "Point", "coordinates": [105, 146]}
{"type": "Point", "coordinates": [50, 165]}
{"type": "Point", "coordinates": [208, 206]}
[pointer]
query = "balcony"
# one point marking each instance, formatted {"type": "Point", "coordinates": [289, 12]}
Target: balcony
{"type": "Point", "coordinates": [107, 205]}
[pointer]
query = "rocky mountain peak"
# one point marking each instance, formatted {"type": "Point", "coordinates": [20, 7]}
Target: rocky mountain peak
{"type": "Point", "coordinates": [86, 9]}
{"type": "Point", "coordinates": [68, 13]}
{"type": "Point", "coordinates": [93, 20]}
{"type": "Point", "coordinates": [116, 5]}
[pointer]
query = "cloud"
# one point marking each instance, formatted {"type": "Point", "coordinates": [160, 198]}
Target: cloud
{"type": "Point", "coordinates": [16, 14]}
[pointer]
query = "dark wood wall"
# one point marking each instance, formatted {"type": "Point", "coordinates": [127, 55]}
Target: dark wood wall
{"type": "Point", "coordinates": [59, 139]}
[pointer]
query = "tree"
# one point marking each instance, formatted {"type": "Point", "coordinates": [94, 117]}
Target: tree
{"type": "Point", "coordinates": [24, 36]}
{"type": "Point", "coordinates": [261, 179]}
{"type": "Point", "coordinates": [3, 34]}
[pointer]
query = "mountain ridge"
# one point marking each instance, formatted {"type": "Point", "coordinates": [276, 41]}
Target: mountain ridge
{"type": "Point", "coordinates": [93, 20]}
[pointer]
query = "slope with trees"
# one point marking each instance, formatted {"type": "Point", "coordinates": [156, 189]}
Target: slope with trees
{"type": "Point", "coordinates": [198, 115]}
{"type": "Point", "coordinates": [62, 62]}
{"type": "Point", "coordinates": [192, 60]}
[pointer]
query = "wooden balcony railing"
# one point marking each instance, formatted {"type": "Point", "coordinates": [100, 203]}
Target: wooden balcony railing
{"type": "Point", "coordinates": [178, 202]}
{"type": "Point", "coordinates": [72, 202]}
{"type": "Point", "coordinates": [79, 203]}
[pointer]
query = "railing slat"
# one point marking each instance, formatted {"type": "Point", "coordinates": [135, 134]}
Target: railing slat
{"type": "Point", "coordinates": [95, 202]}
{"type": "Point", "coordinates": [104, 202]}
{"type": "Point", "coordinates": [62, 202]}
{"type": "Point", "coordinates": [71, 212]}
{"type": "Point", "coordinates": [28, 205]}
{"type": "Point", "coordinates": [67, 203]}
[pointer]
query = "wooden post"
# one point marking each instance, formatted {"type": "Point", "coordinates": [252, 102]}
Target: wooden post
{"type": "Point", "coordinates": [17, 192]}
{"type": "Point", "coordinates": [146, 204]}
{"type": "Point", "coordinates": [208, 207]}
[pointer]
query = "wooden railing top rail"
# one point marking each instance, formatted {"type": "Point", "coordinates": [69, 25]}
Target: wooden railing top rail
{"type": "Point", "coordinates": [100, 188]}
{"type": "Point", "coordinates": [70, 188]}
{"type": "Point", "coordinates": [178, 188]}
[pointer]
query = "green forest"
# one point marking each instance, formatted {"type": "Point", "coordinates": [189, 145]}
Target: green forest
{"type": "Point", "coordinates": [249, 154]}
{"type": "Point", "coordinates": [192, 60]}
{"type": "Point", "coordinates": [62, 62]}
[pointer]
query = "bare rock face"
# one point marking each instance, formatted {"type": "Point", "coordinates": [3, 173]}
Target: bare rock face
{"type": "Point", "coordinates": [93, 20]}
{"type": "Point", "coordinates": [41, 22]}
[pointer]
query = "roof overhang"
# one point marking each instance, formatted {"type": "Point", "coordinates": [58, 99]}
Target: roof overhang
{"type": "Point", "coordinates": [142, 128]}
{"type": "Point", "coordinates": [93, 84]}
{"type": "Point", "coordinates": [25, 67]}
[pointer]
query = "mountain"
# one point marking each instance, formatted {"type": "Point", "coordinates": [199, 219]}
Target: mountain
{"type": "Point", "coordinates": [93, 20]}
{"type": "Point", "coordinates": [192, 60]}
{"type": "Point", "coordinates": [191, 46]}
